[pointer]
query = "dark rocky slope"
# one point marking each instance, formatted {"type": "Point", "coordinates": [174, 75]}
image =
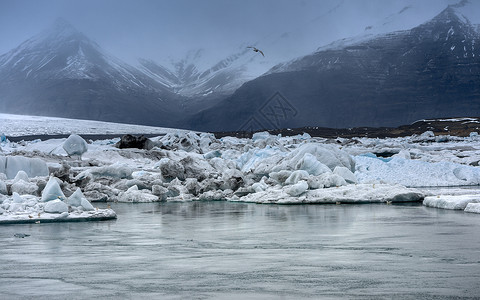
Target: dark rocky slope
{"type": "Point", "coordinates": [430, 71]}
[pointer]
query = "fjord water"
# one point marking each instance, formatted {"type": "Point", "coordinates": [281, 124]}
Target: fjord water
{"type": "Point", "coordinates": [223, 250]}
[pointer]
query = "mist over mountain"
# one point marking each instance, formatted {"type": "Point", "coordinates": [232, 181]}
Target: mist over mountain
{"type": "Point", "coordinates": [188, 79]}
{"type": "Point", "coordinates": [375, 79]}
{"type": "Point", "coordinates": [61, 72]}
{"type": "Point", "coordinates": [432, 70]}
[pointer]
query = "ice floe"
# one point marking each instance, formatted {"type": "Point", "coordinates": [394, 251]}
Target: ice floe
{"type": "Point", "coordinates": [473, 208]}
{"type": "Point", "coordinates": [360, 193]}
{"type": "Point", "coordinates": [31, 209]}
{"type": "Point", "coordinates": [25, 205]}
{"type": "Point", "coordinates": [457, 202]}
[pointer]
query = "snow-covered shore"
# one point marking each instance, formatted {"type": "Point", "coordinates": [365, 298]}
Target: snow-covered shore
{"type": "Point", "coordinates": [21, 125]}
{"type": "Point", "coordinates": [188, 166]}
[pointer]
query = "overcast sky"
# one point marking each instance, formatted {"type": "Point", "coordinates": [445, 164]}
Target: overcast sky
{"type": "Point", "coordinates": [161, 29]}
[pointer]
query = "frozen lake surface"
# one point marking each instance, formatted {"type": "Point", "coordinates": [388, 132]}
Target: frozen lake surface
{"type": "Point", "coordinates": [223, 250]}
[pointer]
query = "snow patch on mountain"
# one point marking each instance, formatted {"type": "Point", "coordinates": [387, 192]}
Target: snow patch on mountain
{"type": "Point", "coordinates": [190, 76]}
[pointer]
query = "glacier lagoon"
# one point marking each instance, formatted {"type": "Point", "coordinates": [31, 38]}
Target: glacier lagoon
{"type": "Point", "coordinates": [238, 250]}
{"type": "Point", "coordinates": [225, 250]}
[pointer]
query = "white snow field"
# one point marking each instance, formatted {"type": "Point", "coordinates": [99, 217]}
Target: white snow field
{"type": "Point", "coordinates": [56, 179]}
{"type": "Point", "coordinates": [20, 125]}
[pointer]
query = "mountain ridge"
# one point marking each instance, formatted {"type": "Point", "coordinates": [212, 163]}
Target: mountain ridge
{"type": "Point", "coordinates": [60, 72]}
{"type": "Point", "coordinates": [387, 80]}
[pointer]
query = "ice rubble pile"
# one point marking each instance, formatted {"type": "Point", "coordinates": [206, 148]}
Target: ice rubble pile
{"type": "Point", "coordinates": [26, 196]}
{"type": "Point", "coordinates": [417, 161]}
{"type": "Point", "coordinates": [187, 166]}
{"type": "Point", "coordinates": [265, 169]}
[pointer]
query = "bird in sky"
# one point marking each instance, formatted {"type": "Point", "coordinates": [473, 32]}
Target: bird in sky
{"type": "Point", "coordinates": [257, 50]}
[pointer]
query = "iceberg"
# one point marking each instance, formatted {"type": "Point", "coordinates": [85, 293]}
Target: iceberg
{"type": "Point", "coordinates": [345, 173]}
{"type": "Point", "coordinates": [23, 187]}
{"type": "Point", "coordinates": [315, 158]}
{"type": "Point", "coordinates": [78, 199]}
{"type": "Point", "coordinates": [328, 180]}
{"type": "Point", "coordinates": [133, 194]}
{"type": "Point", "coordinates": [86, 205]}
{"type": "Point", "coordinates": [329, 155]}
{"type": "Point", "coordinates": [297, 189]}
{"type": "Point", "coordinates": [473, 208]}
{"type": "Point", "coordinates": [415, 173]}
{"type": "Point", "coordinates": [33, 167]}
{"type": "Point", "coordinates": [21, 175]}
{"type": "Point", "coordinates": [116, 170]}
{"type": "Point", "coordinates": [310, 164]}
{"type": "Point", "coordinates": [52, 191]}
{"type": "Point", "coordinates": [187, 141]}
{"type": "Point", "coordinates": [3, 164]}
{"type": "Point", "coordinates": [56, 206]}
{"type": "Point", "coordinates": [296, 176]}
{"type": "Point", "coordinates": [3, 188]}
{"type": "Point", "coordinates": [75, 145]}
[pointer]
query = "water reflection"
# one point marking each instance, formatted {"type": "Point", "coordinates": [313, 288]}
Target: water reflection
{"type": "Point", "coordinates": [204, 250]}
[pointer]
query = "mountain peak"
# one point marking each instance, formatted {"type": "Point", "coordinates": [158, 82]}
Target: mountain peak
{"type": "Point", "coordinates": [62, 28]}
{"type": "Point", "coordinates": [452, 14]}
{"type": "Point", "coordinates": [447, 15]}
{"type": "Point", "coordinates": [449, 23]}
{"type": "Point", "coordinates": [62, 24]}
{"type": "Point", "coordinates": [460, 4]}
{"type": "Point", "coordinates": [60, 35]}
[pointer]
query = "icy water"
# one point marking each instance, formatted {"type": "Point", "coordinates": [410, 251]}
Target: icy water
{"type": "Point", "coordinates": [222, 250]}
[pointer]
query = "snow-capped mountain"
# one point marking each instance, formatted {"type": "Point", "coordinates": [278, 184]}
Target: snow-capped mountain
{"type": "Point", "coordinates": [160, 74]}
{"type": "Point", "coordinates": [63, 52]}
{"type": "Point", "coordinates": [187, 78]}
{"type": "Point", "coordinates": [457, 31]}
{"type": "Point", "coordinates": [428, 71]}
{"type": "Point", "coordinates": [198, 75]}
{"type": "Point", "coordinates": [61, 72]}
